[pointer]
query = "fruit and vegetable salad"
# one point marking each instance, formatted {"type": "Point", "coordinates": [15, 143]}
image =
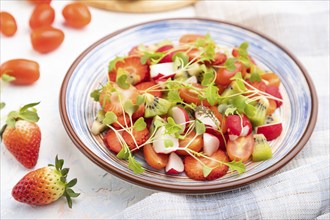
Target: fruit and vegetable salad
{"type": "Point", "coordinates": [192, 107]}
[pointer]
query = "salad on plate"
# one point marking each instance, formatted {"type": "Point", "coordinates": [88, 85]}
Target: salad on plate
{"type": "Point", "coordinates": [194, 107]}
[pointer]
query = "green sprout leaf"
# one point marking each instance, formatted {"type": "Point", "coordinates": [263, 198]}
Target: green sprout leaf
{"type": "Point", "coordinates": [239, 81]}
{"type": "Point", "coordinates": [173, 96]}
{"type": "Point", "coordinates": [255, 77]}
{"type": "Point", "coordinates": [109, 118]}
{"type": "Point", "coordinates": [206, 171]}
{"type": "Point", "coordinates": [139, 124]}
{"type": "Point", "coordinates": [208, 76]}
{"type": "Point", "coordinates": [171, 127]}
{"type": "Point", "coordinates": [230, 64]}
{"type": "Point", "coordinates": [95, 95]}
{"type": "Point", "coordinates": [124, 153]}
{"type": "Point", "coordinates": [230, 111]}
{"type": "Point", "coordinates": [200, 127]}
{"type": "Point", "coordinates": [130, 108]}
{"type": "Point", "coordinates": [238, 166]}
{"type": "Point", "coordinates": [113, 63]}
{"type": "Point", "coordinates": [154, 57]}
{"type": "Point", "coordinates": [139, 99]}
{"type": "Point", "coordinates": [211, 94]}
{"type": "Point", "coordinates": [134, 165]}
{"type": "Point", "coordinates": [121, 79]}
{"type": "Point", "coordinates": [158, 122]}
{"type": "Point", "coordinates": [181, 57]}
{"type": "Point", "coordinates": [168, 143]}
{"type": "Point", "coordinates": [7, 78]}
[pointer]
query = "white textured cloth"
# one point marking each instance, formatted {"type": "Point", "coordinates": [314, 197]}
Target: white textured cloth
{"type": "Point", "coordinates": [300, 190]}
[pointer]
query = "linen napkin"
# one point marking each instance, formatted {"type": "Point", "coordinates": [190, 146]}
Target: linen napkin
{"type": "Point", "coordinates": [300, 190]}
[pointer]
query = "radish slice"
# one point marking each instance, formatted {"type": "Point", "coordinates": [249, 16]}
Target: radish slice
{"type": "Point", "coordinates": [206, 116]}
{"type": "Point", "coordinates": [270, 131]}
{"type": "Point", "coordinates": [211, 144]}
{"type": "Point", "coordinates": [174, 165]}
{"type": "Point", "coordinates": [191, 80]}
{"type": "Point", "coordinates": [162, 70]}
{"type": "Point", "coordinates": [180, 117]}
{"type": "Point", "coordinates": [160, 141]}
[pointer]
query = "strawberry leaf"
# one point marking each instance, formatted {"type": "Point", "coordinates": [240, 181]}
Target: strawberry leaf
{"type": "Point", "coordinates": [71, 193]}
{"type": "Point", "coordinates": [139, 124]}
{"type": "Point", "coordinates": [72, 182]}
{"type": "Point", "coordinates": [206, 171]}
{"type": "Point", "coordinates": [134, 165]}
{"type": "Point", "coordinates": [26, 107]}
{"type": "Point", "coordinates": [238, 166]}
{"type": "Point", "coordinates": [29, 116]}
{"type": "Point", "coordinates": [68, 198]}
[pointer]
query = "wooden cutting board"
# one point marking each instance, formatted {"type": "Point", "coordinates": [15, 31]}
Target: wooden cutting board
{"type": "Point", "coordinates": [139, 6]}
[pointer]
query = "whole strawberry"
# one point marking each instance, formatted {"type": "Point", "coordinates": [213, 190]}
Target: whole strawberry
{"type": "Point", "coordinates": [45, 185]}
{"type": "Point", "coordinates": [21, 135]}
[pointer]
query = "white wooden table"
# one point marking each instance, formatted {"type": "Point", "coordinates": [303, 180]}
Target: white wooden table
{"type": "Point", "coordinates": [102, 195]}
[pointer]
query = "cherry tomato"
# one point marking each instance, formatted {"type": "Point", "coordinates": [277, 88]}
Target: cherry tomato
{"type": "Point", "coordinates": [43, 15]}
{"type": "Point", "coordinates": [191, 96]}
{"type": "Point", "coordinates": [241, 148]}
{"type": "Point", "coordinates": [8, 25]}
{"type": "Point", "coordinates": [155, 160]}
{"type": "Point", "coordinates": [189, 38]}
{"type": "Point", "coordinates": [272, 78]}
{"type": "Point", "coordinates": [37, 2]}
{"type": "Point", "coordinates": [76, 15]}
{"type": "Point", "coordinates": [224, 75]}
{"type": "Point", "coordinates": [195, 145]}
{"type": "Point", "coordinates": [25, 71]}
{"type": "Point", "coordinates": [46, 39]}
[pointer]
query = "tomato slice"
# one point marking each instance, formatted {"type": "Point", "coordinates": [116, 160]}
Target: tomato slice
{"type": "Point", "coordinates": [241, 148]}
{"type": "Point", "coordinates": [224, 75]}
{"type": "Point", "coordinates": [190, 96]}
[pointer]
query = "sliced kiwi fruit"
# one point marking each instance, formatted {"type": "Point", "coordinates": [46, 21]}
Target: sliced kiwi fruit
{"type": "Point", "coordinates": [259, 117]}
{"type": "Point", "coordinates": [262, 150]}
{"type": "Point", "coordinates": [155, 106]}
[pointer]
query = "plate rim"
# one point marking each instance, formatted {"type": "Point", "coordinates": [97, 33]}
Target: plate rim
{"type": "Point", "coordinates": [174, 187]}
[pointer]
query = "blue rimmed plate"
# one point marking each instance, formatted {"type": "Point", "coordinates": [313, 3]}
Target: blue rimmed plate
{"type": "Point", "coordinates": [78, 110]}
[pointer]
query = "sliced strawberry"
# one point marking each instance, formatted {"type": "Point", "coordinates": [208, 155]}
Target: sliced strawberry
{"type": "Point", "coordinates": [121, 119]}
{"type": "Point", "coordinates": [112, 101]}
{"type": "Point", "coordinates": [112, 142]}
{"type": "Point", "coordinates": [139, 136]}
{"type": "Point", "coordinates": [194, 169]}
{"type": "Point", "coordinates": [274, 91]}
{"type": "Point", "coordinates": [139, 112]}
{"type": "Point", "coordinates": [137, 72]}
{"type": "Point", "coordinates": [146, 85]}
{"type": "Point", "coordinates": [219, 59]}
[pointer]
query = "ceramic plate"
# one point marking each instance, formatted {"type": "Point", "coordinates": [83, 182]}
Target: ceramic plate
{"type": "Point", "coordinates": [78, 110]}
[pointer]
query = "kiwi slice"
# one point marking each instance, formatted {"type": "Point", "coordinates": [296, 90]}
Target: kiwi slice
{"type": "Point", "coordinates": [262, 150]}
{"type": "Point", "coordinates": [259, 117]}
{"type": "Point", "coordinates": [155, 106]}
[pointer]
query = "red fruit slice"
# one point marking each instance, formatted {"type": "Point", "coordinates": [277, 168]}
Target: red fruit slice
{"type": "Point", "coordinates": [121, 119]}
{"type": "Point", "coordinates": [219, 59]}
{"type": "Point", "coordinates": [195, 145]}
{"type": "Point", "coordinates": [241, 148]}
{"type": "Point", "coordinates": [113, 100]}
{"type": "Point", "coordinates": [146, 85]}
{"type": "Point", "coordinates": [139, 136]}
{"type": "Point", "coordinates": [194, 169]}
{"type": "Point", "coordinates": [137, 72]}
{"type": "Point", "coordinates": [224, 75]}
{"type": "Point", "coordinates": [167, 58]}
{"type": "Point", "coordinates": [174, 165]}
{"type": "Point", "coordinates": [270, 131]}
{"type": "Point", "coordinates": [112, 142]}
{"type": "Point", "coordinates": [237, 127]}
{"type": "Point", "coordinates": [275, 91]}
{"type": "Point", "coordinates": [155, 160]}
